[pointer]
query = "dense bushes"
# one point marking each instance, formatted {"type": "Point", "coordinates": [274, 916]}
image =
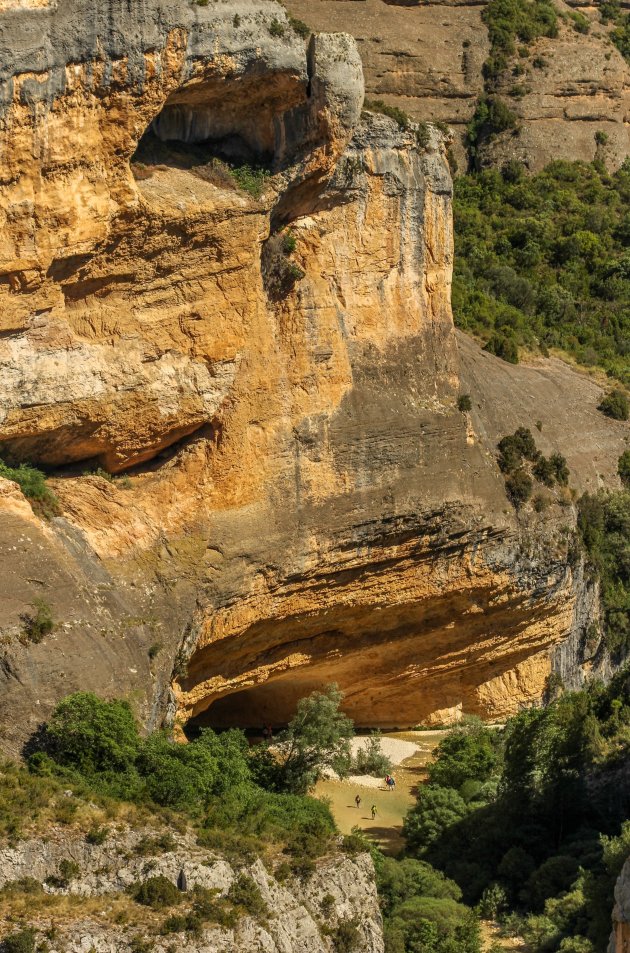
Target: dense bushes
{"type": "Point", "coordinates": [509, 21]}
{"type": "Point", "coordinates": [421, 910]}
{"type": "Point", "coordinates": [615, 405]}
{"type": "Point", "coordinates": [32, 483]}
{"type": "Point", "coordinates": [212, 779]}
{"type": "Point", "coordinates": [516, 452]}
{"type": "Point", "coordinates": [604, 527]}
{"type": "Point", "coordinates": [543, 838]}
{"type": "Point", "coordinates": [544, 261]}
{"type": "Point", "coordinates": [280, 273]}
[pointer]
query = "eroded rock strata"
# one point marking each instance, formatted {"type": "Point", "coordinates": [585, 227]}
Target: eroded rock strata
{"type": "Point", "coordinates": [298, 921]}
{"type": "Point", "coordinates": [304, 501]}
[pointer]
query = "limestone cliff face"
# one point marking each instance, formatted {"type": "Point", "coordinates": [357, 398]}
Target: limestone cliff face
{"type": "Point", "coordinates": [304, 501]}
{"type": "Point", "coordinates": [299, 921]}
{"type": "Point", "coordinates": [427, 58]}
{"type": "Point", "coordinates": [620, 936]}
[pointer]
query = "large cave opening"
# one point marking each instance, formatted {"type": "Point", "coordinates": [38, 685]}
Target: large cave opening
{"type": "Point", "coordinates": [273, 703]}
{"type": "Point", "coordinates": [240, 121]}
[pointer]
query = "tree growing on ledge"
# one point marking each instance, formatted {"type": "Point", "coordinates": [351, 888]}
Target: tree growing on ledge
{"type": "Point", "coordinates": [318, 737]}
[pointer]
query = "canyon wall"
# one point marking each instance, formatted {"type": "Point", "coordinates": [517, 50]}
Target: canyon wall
{"type": "Point", "coordinates": [302, 501]}
{"type": "Point", "coordinates": [300, 914]}
{"type": "Point", "coordinates": [427, 59]}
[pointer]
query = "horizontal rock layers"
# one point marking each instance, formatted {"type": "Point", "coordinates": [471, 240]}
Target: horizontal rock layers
{"type": "Point", "coordinates": [303, 502]}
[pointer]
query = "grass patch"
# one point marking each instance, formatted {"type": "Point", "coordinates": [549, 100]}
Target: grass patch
{"type": "Point", "coordinates": [32, 483]}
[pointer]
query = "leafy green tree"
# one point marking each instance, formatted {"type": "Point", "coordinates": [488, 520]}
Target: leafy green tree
{"type": "Point", "coordinates": [469, 752]}
{"type": "Point", "coordinates": [399, 880]}
{"type": "Point", "coordinates": [519, 487]}
{"type": "Point", "coordinates": [183, 776]}
{"type": "Point", "coordinates": [317, 737]}
{"type": "Point", "coordinates": [370, 758]}
{"type": "Point", "coordinates": [92, 735]}
{"type": "Point", "coordinates": [436, 810]}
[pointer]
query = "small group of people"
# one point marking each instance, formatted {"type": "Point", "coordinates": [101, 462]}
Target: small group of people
{"type": "Point", "coordinates": [357, 801]}
{"type": "Point", "coordinates": [390, 782]}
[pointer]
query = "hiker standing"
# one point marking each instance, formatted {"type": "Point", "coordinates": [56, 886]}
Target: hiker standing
{"type": "Point", "coordinates": [357, 801]}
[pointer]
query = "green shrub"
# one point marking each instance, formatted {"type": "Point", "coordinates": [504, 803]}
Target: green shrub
{"type": "Point", "coordinates": [32, 483]}
{"type": "Point", "coordinates": [39, 623]}
{"type": "Point", "coordinates": [423, 136]}
{"type": "Point", "coordinates": [276, 28]}
{"type": "Point", "coordinates": [156, 892]}
{"type": "Point", "coordinates": [623, 468]}
{"type": "Point", "coordinates": [513, 448]}
{"type": "Point", "coordinates": [299, 27]}
{"type": "Point", "coordinates": [615, 405]}
{"type": "Point", "coordinates": [208, 907]}
{"type": "Point", "coordinates": [279, 273]}
{"type": "Point", "coordinates": [68, 871]}
{"type": "Point", "coordinates": [22, 941]}
{"type": "Point", "coordinates": [560, 468]}
{"type": "Point", "coordinates": [464, 403]}
{"type": "Point", "coordinates": [393, 112]}
{"type": "Point", "coordinates": [544, 471]}
{"type": "Point", "coordinates": [503, 346]}
{"type": "Point", "coordinates": [97, 835]}
{"type": "Point", "coordinates": [27, 885]}
{"type": "Point", "coordinates": [245, 892]}
{"type": "Point", "coordinates": [519, 487]}
{"type": "Point", "coordinates": [492, 116]}
{"type": "Point", "coordinates": [370, 758]}
{"type": "Point", "coordinates": [493, 902]}
{"type": "Point", "coordinates": [579, 21]}
{"type": "Point", "coordinates": [183, 923]}
{"type": "Point", "coordinates": [346, 936]}
{"type": "Point", "coordinates": [251, 179]}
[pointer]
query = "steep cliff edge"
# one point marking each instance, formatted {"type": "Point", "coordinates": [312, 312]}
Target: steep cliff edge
{"type": "Point", "coordinates": [305, 502]}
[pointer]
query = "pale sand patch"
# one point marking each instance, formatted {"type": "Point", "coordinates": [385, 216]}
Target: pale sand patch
{"type": "Point", "coordinates": [395, 749]}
